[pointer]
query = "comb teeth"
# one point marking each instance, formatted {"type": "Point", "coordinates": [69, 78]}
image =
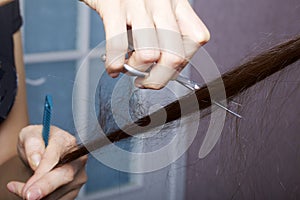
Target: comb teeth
{"type": "Point", "coordinates": [47, 118]}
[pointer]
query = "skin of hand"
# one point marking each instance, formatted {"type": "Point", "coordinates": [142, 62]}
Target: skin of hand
{"type": "Point", "coordinates": [167, 32]}
{"type": "Point", "coordinates": [47, 182]}
{"type": "Point", "coordinates": [12, 168]}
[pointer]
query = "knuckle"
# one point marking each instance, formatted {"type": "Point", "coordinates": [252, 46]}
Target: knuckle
{"type": "Point", "coordinates": [84, 160]}
{"type": "Point", "coordinates": [22, 133]}
{"type": "Point", "coordinates": [69, 174]}
{"type": "Point", "coordinates": [148, 56]}
{"type": "Point", "coordinates": [70, 141]}
{"type": "Point", "coordinates": [27, 130]}
{"type": "Point", "coordinates": [55, 130]}
{"type": "Point", "coordinates": [175, 61]}
{"type": "Point", "coordinates": [69, 177]}
{"type": "Point", "coordinates": [202, 37]}
{"type": "Point", "coordinates": [114, 67]}
{"type": "Point", "coordinates": [45, 185]}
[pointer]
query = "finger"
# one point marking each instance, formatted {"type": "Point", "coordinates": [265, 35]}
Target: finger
{"type": "Point", "coordinates": [32, 145]}
{"type": "Point", "coordinates": [194, 31]}
{"type": "Point", "coordinates": [158, 77]}
{"type": "Point", "coordinates": [114, 20]}
{"type": "Point", "coordinates": [71, 188]}
{"type": "Point", "coordinates": [171, 45]}
{"type": "Point", "coordinates": [144, 36]}
{"type": "Point", "coordinates": [53, 180]}
{"type": "Point", "coordinates": [60, 142]}
{"type": "Point", "coordinates": [15, 187]}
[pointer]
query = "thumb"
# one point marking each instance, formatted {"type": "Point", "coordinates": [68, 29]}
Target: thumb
{"type": "Point", "coordinates": [158, 77]}
{"type": "Point", "coordinates": [32, 145]}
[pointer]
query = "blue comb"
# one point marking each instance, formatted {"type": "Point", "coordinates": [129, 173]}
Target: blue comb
{"type": "Point", "coordinates": [47, 118]}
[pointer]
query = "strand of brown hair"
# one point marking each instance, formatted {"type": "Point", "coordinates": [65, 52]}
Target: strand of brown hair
{"type": "Point", "coordinates": [235, 81]}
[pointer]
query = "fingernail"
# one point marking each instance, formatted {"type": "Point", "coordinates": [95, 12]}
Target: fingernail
{"type": "Point", "coordinates": [138, 83]}
{"type": "Point", "coordinates": [35, 159]}
{"type": "Point", "coordinates": [154, 86]}
{"type": "Point", "coordinates": [33, 194]}
{"type": "Point", "coordinates": [141, 86]}
{"type": "Point", "coordinates": [114, 75]}
{"type": "Point", "coordinates": [11, 187]}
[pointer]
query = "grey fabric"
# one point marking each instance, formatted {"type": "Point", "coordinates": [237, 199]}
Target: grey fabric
{"type": "Point", "coordinates": [257, 157]}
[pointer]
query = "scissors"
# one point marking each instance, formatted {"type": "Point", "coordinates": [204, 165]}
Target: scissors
{"type": "Point", "coordinates": [186, 82]}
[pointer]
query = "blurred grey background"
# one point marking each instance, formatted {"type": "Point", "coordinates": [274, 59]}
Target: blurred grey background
{"type": "Point", "coordinates": [257, 157]}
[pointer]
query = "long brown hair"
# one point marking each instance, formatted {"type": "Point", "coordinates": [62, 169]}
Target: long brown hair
{"type": "Point", "coordinates": [235, 81]}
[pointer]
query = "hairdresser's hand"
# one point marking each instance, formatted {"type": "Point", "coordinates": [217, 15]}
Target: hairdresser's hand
{"type": "Point", "coordinates": [56, 183]}
{"type": "Point", "coordinates": [167, 32]}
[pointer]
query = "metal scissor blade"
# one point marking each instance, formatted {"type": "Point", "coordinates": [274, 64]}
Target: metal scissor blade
{"type": "Point", "coordinates": [186, 82]}
{"type": "Point", "coordinates": [228, 110]}
{"type": "Point", "coordinates": [134, 72]}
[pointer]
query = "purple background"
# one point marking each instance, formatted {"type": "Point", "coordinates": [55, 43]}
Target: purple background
{"type": "Point", "coordinates": [257, 157]}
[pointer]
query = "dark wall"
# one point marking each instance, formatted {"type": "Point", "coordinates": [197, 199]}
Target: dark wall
{"type": "Point", "coordinates": [257, 157]}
